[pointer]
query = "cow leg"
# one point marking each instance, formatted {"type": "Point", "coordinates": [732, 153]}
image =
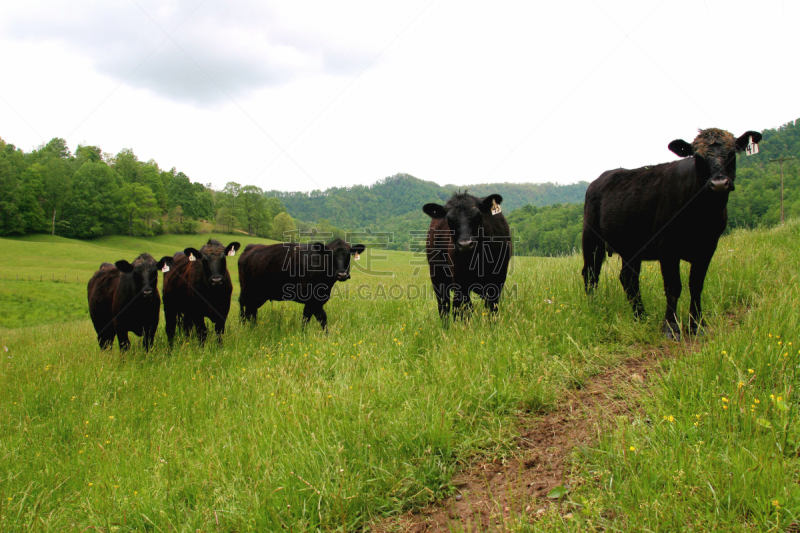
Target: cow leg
{"type": "Point", "coordinates": [491, 296]}
{"type": "Point", "coordinates": [322, 318]}
{"type": "Point", "coordinates": [697, 277]}
{"type": "Point", "coordinates": [462, 304]}
{"type": "Point", "coordinates": [671, 271]}
{"type": "Point", "coordinates": [124, 341]}
{"type": "Point", "coordinates": [593, 257]}
{"type": "Point", "coordinates": [629, 277]}
{"type": "Point", "coordinates": [219, 329]}
{"type": "Point", "coordinates": [149, 336]}
{"type": "Point", "coordinates": [105, 340]}
{"type": "Point", "coordinates": [442, 292]}
{"type": "Point", "coordinates": [247, 313]}
{"type": "Point", "coordinates": [308, 312]}
{"type": "Point", "coordinates": [171, 319]}
{"type": "Point", "coordinates": [202, 330]}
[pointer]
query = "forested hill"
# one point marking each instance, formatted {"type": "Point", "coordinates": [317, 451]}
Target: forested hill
{"type": "Point", "coordinates": [394, 204]}
{"type": "Point", "coordinates": [757, 199]}
{"type": "Point", "coordinates": [556, 229]}
{"type": "Point", "coordinates": [92, 193]}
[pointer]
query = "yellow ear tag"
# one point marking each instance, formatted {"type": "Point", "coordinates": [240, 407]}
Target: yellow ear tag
{"type": "Point", "coordinates": [496, 208]}
{"type": "Point", "coordinates": [192, 257]}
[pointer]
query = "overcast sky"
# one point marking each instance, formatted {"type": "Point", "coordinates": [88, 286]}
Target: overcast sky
{"type": "Point", "coordinates": [311, 95]}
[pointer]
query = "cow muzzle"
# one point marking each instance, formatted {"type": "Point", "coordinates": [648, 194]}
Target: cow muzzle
{"type": "Point", "coordinates": [343, 276]}
{"type": "Point", "coordinates": [721, 184]}
{"type": "Point", "coordinates": [465, 245]}
{"type": "Point", "coordinates": [147, 293]}
{"type": "Point", "coordinates": [216, 280]}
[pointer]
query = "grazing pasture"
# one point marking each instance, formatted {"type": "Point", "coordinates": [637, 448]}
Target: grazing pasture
{"type": "Point", "coordinates": [282, 428]}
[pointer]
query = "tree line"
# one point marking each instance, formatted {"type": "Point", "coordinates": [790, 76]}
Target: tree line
{"type": "Point", "coordinates": [91, 193]}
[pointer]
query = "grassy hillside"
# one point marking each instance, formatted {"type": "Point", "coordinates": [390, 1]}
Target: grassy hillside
{"type": "Point", "coordinates": [285, 429]}
{"type": "Point", "coordinates": [43, 278]}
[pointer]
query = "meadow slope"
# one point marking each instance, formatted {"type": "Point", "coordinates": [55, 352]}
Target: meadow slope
{"type": "Point", "coordinates": [281, 428]}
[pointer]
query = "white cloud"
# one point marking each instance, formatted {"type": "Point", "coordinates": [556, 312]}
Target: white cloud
{"type": "Point", "coordinates": [201, 52]}
{"type": "Point", "coordinates": [319, 94]}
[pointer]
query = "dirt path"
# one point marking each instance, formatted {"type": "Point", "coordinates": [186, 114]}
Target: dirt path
{"type": "Point", "coordinates": [490, 494]}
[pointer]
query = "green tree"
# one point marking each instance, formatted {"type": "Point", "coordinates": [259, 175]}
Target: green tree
{"type": "Point", "coordinates": [150, 175]}
{"type": "Point", "coordinates": [93, 207]}
{"type": "Point", "coordinates": [139, 208]}
{"type": "Point", "coordinates": [281, 225]}
{"type": "Point", "coordinates": [226, 220]}
{"type": "Point", "coordinates": [88, 153]}
{"type": "Point", "coordinates": [253, 213]}
{"type": "Point", "coordinates": [227, 205]}
{"type": "Point", "coordinates": [12, 164]}
{"type": "Point", "coordinates": [176, 219]}
{"type": "Point", "coordinates": [27, 199]}
{"type": "Point", "coordinates": [56, 188]}
{"type": "Point", "coordinates": [127, 165]}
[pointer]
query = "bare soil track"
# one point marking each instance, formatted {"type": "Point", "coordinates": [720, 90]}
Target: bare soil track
{"type": "Point", "coordinates": [490, 495]}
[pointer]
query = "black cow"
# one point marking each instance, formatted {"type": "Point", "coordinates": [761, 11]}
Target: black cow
{"type": "Point", "coordinates": [124, 297]}
{"type": "Point", "coordinates": [303, 273]}
{"type": "Point", "coordinates": [468, 249]}
{"type": "Point", "coordinates": [664, 213]}
{"type": "Point", "coordinates": [198, 286]}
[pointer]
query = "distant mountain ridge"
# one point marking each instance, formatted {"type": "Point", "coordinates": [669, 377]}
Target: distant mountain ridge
{"type": "Point", "coordinates": [395, 203]}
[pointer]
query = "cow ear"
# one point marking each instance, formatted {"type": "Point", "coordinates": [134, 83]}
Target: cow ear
{"type": "Point", "coordinates": [681, 148]}
{"type": "Point", "coordinates": [434, 210]}
{"type": "Point", "coordinates": [357, 249]}
{"type": "Point", "coordinates": [192, 253]}
{"type": "Point", "coordinates": [166, 260]}
{"type": "Point", "coordinates": [742, 142]}
{"type": "Point", "coordinates": [124, 266]}
{"type": "Point", "coordinates": [489, 201]}
{"type": "Point", "coordinates": [232, 248]}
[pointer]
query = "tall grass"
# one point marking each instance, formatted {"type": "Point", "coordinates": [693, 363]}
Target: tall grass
{"type": "Point", "coordinates": [716, 445]}
{"type": "Point", "coordinates": [285, 428]}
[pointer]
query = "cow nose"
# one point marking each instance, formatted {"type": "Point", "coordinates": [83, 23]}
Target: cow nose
{"type": "Point", "coordinates": [466, 244]}
{"type": "Point", "coordinates": [216, 280]}
{"type": "Point", "coordinates": [720, 184]}
{"type": "Point", "coordinates": [147, 292]}
{"type": "Point", "coordinates": [343, 276]}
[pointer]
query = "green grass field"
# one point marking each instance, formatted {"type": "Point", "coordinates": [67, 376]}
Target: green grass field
{"type": "Point", "coordinates": [286, 429]}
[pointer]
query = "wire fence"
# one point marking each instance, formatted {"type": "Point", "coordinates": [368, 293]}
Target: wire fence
{"type": "Point", "coordinates": [53, 278]}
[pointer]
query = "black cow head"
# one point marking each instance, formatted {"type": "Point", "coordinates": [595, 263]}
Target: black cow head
{"type": "Point", "coordinates": [336, 257]}
{"type": "Point", "coordinates": [144, 272]}
{"type": "Point", "coordinates": [212, 255]}
{"type": "Point", "coordinates": [464, 214]}
{"type": "Point", "coordinates": [715, 152]}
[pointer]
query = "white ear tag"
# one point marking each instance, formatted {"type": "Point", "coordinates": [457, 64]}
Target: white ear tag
{"type": "Point", "coordinates": [496, 208]}
{"type": "Point", "coordinates": [232, 253]}
{"type": "Point", "coordinates": [192, 257]}
{"type": "Point", "coordinates": [751, 148]}
{"type": "Point", "coordinates": [357, 257]}
{"type": "Point", "coordinates": [165, 269]}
